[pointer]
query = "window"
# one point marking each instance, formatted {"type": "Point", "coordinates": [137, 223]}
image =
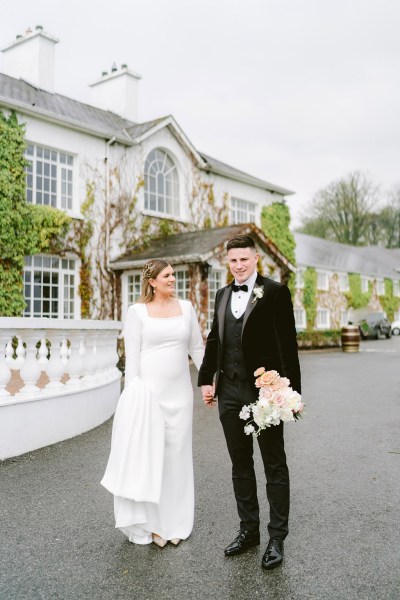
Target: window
{"type": "Point", "coordinates": [344, 318]}
{"type": "Point", "coordinates": [300, 318]}
{"type": "Point", "coordinates": [214, 283]}
{"type": "Point", "coordinates": [343, 282]}
{"type": "Point", "coordinates": [322, 280]}
{"type": "Point", "coordinates": [323, 319]}
{"type": "Point", "coordinates": [134, 288]}
{"type": "Point", "coordinates": [49, 176]}
{"type": "Point", "coordinates": [242, 211]}
{"type": "Point", "coordinates": [49, 287]}
{"type": "Point", "coordinates": [380, 287]}
{"type": "Point", "coordinates": [182, 283]}
{"type": "Point", "coordinates": [161, 184]}
{"type": "Point", "coordinates": [364, 284]}
{"type": "Point", "coordinates": [300, 279]}
{"type": "Point", "coordinates": [396, 288]}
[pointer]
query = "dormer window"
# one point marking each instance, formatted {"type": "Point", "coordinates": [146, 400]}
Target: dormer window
{"type": "Point", "coordinates": [161, 184]}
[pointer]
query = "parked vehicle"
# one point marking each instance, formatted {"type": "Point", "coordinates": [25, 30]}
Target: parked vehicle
{"type": "Point", "coordinates": [372, 324]}
{"type": "Point", "coordinates": [396, 328]}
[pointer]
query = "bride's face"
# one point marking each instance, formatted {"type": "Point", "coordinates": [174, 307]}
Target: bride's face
{"type": "Point", "coordinates": [164, 283]}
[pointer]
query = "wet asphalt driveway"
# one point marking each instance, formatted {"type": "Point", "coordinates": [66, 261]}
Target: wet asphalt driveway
{"type": "Point", "coordinates": [56, 522]}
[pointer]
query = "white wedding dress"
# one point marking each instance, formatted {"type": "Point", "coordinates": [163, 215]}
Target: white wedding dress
{"type": "Point", "coordinates": [150, 468]}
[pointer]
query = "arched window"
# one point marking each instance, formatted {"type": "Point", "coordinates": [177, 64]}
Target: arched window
{"type": "Point", "coordinates": [161, 184]}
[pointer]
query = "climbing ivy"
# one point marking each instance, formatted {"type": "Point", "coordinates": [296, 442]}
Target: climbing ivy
{"type": "Point", "coordinates": [24, 229]}
{"type": "Point", "coordinates": [275, 223]}
{"type": "Point", "coordinates": [390, 303]}
{"type": "Point", "coordinates": [355, 296]}
{"type": "Point", "coordinates": [310, 299]}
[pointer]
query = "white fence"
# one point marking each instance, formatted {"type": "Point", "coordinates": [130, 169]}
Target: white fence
{"type": "Point", "coordinates": [58, 378]}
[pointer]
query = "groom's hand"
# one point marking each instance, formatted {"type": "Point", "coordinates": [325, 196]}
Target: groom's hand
{"type": "Point", "coordinates": [208, 392]}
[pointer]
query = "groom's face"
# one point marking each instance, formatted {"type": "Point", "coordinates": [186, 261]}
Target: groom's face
{"type": "Point", "coordinates": [242, 263]}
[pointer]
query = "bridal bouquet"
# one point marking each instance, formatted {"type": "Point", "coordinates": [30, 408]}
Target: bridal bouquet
{"type": "Point", "coordinates": [277, 401]}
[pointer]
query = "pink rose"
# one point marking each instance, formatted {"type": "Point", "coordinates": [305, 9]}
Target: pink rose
{"type": "Point", "coordinates": [266, 379]}
{"type": "Point", "coordinates": [281, 384]}
{"type": "Point", "coordinates": [259, 372]}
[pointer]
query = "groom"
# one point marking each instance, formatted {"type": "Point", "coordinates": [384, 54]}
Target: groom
{"type": "Point", "coordinates": [253, 327]}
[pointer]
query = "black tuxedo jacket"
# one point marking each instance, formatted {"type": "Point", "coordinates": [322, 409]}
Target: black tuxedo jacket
{"type": "Point", "coordinates": [268, 335]}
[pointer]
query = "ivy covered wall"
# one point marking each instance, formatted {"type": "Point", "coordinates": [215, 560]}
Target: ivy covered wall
{"type": "Point", "coordinates": [24, 229]}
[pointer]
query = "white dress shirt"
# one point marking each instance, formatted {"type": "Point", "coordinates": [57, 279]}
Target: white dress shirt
{"type": "Point", "coordinates": [240, 299]}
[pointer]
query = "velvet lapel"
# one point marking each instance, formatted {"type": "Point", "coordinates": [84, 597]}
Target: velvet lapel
{"type": "Point", "coordinates": [221, 311]}
{"type": "Point", "coordinates": [252, 302]}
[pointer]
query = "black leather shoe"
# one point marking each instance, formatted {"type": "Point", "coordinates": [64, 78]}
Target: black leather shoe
{"type": "Point", "coordinates": [273, 555]}
{"type": "Point", "coordinates": [242, 542]}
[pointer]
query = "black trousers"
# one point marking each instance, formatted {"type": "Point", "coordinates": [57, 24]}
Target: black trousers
{"type": "Point", "coordinates": [233, 395]}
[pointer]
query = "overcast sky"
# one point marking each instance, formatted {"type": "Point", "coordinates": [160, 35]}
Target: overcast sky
{"type": "Point", "coordinates": [297, 92]}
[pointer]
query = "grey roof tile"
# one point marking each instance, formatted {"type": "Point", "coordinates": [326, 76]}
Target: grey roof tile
{"type": "Point", "coordinates": [216, 166]}
{"type": "Point", "coordinates": [366, 260]}
{"type": "Point", "coordinates": [61, 107]}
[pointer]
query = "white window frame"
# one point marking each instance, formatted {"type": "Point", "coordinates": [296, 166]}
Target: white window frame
{"type": "Point", "coordinates": [396, 316]}
{"type": "Point", "coordinates": [300, 318]}
{"type": "Point", "coordinates": [161, 173]}
{"type": "Point", "coordinates": [133, 287]}
{"type": "Point", "coordinates": [396, 288]}
{"type": "Point", "coordinates": [67, 271]}
{"type": "Point", "coordinates": [242, 211]}
{"type": "Point", "coordinates": [344, 318]}
{"type": "Point", "coordinates": [343, 282]}
{"type": "Point", "coordinates": [323, 318]}
{"type": "Point", "coordinates": [215, 282]}
{"type": "Point", "coordinates": [53, 169]}
{"type": "Point", "coordinates": [323, 285]}
{"type": "Point", "coordinates": [300, 279]}
{"type": "Point", "coordinates": [380, 287]}
{"type": "Point", "coordinates": [364, 284]}
{"type": "Point", "coordinates": [182, 282]}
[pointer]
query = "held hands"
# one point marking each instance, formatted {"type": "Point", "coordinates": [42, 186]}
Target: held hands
{"type": "Point", "coordinates": [208, 392]}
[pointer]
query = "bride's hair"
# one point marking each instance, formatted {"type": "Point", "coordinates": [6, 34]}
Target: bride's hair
{"type": "Point", "coordinates": [151, 269]}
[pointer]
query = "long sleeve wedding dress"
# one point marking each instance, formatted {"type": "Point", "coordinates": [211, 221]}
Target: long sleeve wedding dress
{"type": "Point", "coordinates": [150, 468]}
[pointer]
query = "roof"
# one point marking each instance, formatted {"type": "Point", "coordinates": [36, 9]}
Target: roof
{"type": "Point", "coordinates": [197, 247]}
{"type": "Point", "coordinates": [366, 260]}
{"type": "Point", "coordinates": [17, 93]}
{"type": "Point", "coordinates": [21, 95]}
{"type": "Point", "coordinates": [220, 168]}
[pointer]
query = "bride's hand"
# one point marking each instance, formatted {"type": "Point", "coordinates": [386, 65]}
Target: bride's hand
{"type": "Point", "coordinates": [208, 392]}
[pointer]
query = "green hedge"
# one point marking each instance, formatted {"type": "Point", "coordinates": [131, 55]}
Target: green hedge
{"type": "Point", "coordinates": [329, 338]}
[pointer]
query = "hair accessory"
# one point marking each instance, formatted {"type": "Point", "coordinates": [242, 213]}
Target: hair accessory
{"type": "Point", "coordinates": [147, 269]}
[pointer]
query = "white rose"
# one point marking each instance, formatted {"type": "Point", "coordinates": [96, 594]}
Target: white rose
{"type": "Point", "coordinates": [249, 429]}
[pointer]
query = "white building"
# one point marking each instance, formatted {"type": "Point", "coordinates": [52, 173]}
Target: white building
{"type": "Point", "coordinates": [150, 171]}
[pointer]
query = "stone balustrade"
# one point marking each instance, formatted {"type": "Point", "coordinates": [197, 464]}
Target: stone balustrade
{"type": "Point", "coordinates": [58, 378]}
{"type": "Point", "coordinates": [84, 351]}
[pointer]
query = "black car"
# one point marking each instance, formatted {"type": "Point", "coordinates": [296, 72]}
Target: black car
{"type": "Point", "coordinates": [372, 324]}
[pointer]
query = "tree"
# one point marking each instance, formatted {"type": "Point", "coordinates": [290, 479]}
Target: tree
{"type": "Point", "coordinates": [342, 211]}
{"type": "Point", "coordinates": [388, 220]}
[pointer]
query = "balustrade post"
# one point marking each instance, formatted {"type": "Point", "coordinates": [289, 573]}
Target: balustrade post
{"type": "Point", "coordinates": [5, 371]}
{"type": "Point", "coordinates": [30, 370]}
{"type": "Point", "coordinates": [90, 358]}
{"type": "Point", "coordinates": [55, 366]}
{"type": "Point", "coordinates": [75, 363]}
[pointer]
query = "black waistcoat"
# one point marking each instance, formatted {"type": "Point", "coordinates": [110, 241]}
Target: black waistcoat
{"type": "Point", "coordinates": [232, 359]}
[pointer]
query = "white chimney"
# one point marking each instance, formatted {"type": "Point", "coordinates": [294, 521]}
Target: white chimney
{"type": "Point", "coordinates": [117, 91]}
{"type": "Point", "coordinates": [31, 57]}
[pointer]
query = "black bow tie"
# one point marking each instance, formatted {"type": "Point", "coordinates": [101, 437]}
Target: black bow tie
{"type": "Point", "coordinates": [237, 288]}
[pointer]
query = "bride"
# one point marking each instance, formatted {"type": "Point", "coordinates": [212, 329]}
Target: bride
{"type": "Point", "coordinates": [150, 468]}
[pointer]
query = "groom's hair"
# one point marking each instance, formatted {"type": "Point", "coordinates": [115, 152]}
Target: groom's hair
{"type": "Point", "coordinates": [241, 240]}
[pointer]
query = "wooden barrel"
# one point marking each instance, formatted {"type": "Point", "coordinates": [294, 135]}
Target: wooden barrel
{"type": "Point", "coordinates": [350, 338]}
